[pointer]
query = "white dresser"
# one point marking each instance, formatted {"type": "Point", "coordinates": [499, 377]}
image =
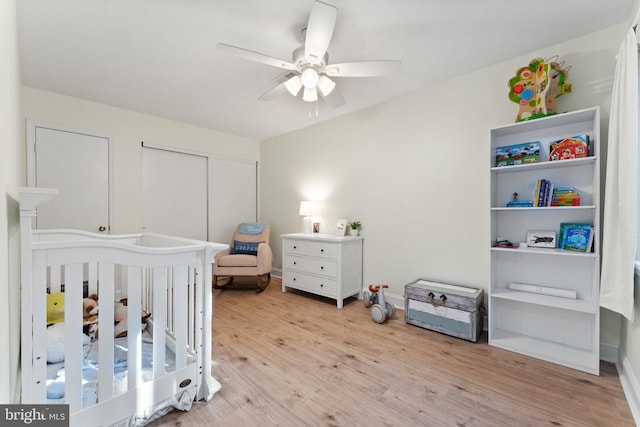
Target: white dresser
{"type": "Point", "coordinates": [322, 264]}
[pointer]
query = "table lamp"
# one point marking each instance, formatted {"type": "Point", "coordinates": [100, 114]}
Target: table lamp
{"type": "Point", "coordinates": [307, 210]}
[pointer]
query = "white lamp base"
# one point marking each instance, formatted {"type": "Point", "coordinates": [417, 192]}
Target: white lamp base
{"type": "Point", "coordinates": [308, 225]}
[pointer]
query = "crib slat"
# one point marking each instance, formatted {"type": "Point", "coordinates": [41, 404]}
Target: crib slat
{"type": "Point", "coordinates": [170, 318]}
{"type": "Point", "coordinates": [73, 336]}
{"type": "Point", "coordinates": [192, 303]}
{"type": "Point", "coordinates": [134, 305]}
{"type": "Point", "coordinates": [106, 276]}
{"type": "Point", "coordinates": [180, 309]}
{"type": "Point", "coordinates": [199, 311]}
{"type": "Point", "coordinates": [39, 331]}
{"type": "Point", "coordinates": [159, 319]}
{"type": "Point", "coordinates": [92, 282]}
{"type": "Point", "coordinates": [54, 280]}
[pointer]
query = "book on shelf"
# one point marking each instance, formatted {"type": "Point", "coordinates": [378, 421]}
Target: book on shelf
{"type": "Point", "coordinates": [518, 154]}
{"type": "Point", "coordinates": [543, 193]}
{"type": "Point", "coordinates": [576, 236]}
{"type": "Point", "coordinates": [520, 204]}
{"type": "Point", "coordinates": [570, 148]}
{"type": "Point", "coordinates": [565, 196]}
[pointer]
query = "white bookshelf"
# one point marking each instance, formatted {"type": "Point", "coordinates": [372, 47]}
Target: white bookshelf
{"type": "Point", "coordinates": [565, 331]}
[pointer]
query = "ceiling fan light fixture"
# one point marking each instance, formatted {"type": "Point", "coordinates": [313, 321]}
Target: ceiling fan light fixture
{"type": "Point", "coordinates": [293, 85]}
{"type": "Point", "coordinates": [309, 77]}
{"type": "Point", "coordinates": [310, 94]}
{"type": "Point", "coordinates": [326, 85]}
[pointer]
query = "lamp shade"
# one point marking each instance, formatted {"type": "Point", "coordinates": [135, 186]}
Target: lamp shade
{"type": "Point", "coordinates": [307, 208]}
{"type": "Point", "coordinates": [293, 85]}
{"type": "Point", "coordinates": [326, 85]}
{"type": "Point", "coordinates": [310, 94]}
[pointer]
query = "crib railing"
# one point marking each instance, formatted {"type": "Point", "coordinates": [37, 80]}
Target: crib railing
{"type": "Point", "coordinates": [166, 276]}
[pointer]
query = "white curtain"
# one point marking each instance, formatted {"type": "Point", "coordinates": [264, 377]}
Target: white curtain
{"type": "Point", "coordinates": [621, 191]}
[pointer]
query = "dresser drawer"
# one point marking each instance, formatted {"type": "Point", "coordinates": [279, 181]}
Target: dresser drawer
{"type": "Point", "coordinates": [314, 249]}
{"type": "Point", "coordinates": [324, 267]}
{"type": "Point", "coordinates": [305, 282]}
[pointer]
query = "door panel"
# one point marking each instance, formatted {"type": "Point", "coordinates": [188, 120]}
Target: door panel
{"type": "Point", "coordinates": [234, 197]}
{"type": "Point", "coordinates": [174, 193]}
{"type": "Point", "coordinates": [77, 164]}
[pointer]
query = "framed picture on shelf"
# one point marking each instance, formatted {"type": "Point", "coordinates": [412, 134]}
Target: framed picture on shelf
{"type": "Point", "coordinates": [541, 239]}
{"type": "Point", "coordinates": [341, 227]}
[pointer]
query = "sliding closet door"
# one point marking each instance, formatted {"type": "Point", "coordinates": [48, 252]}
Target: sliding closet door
{"type": "Point", "coordinates": [234, 196]}
{"type": "Point", "coordinates": [175, 193]}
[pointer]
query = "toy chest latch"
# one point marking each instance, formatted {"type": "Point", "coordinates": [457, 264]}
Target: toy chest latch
{"type": "Point", "coordinates": [449, 309]}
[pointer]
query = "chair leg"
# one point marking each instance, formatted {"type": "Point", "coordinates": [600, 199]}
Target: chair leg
{"type": "Point", "coordinates": [262, 287]}
{"type": "Point", "coordinates": [215, 283]}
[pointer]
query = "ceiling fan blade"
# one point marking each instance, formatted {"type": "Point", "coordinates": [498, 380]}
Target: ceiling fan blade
{"type": "Point", "coordinates": [319, 31]}
{"type": "Point", "coordinates": [255, 56]}
{"type": "Point", "coordinates": [274, 92]}
{"type": "Point", "coordinates": [362, 69]}
{"type": "Point", "coordinates": [334, 99]}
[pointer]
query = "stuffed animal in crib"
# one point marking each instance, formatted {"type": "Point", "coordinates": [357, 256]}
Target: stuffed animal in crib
{"type": "Point", "coordinates": [90, 306]}
{"type": "Point", "coordinates": [121, 314]}
{"type": "Point", "coordinates": [55, 308]}
{"type": "Point", "coordinates": [56, 328]}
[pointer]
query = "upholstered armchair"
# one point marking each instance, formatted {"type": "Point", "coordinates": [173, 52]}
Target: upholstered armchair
{"type": "Point", "coordinates": [249, 254]}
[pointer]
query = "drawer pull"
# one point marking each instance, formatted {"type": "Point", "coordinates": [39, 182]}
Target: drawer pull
{"type": "Point", "coordinates": [322, 285]}
{"type": "Point", "coordinates": [321, 267]}
{"type": "Point", "coordinates": [294, 279]}
{"type": "Point", "coordinates": [295, 247]}
{"type": "Point", "coordinates": [294, 263]}
{"type": "Point", "coordinates": [321, 251]}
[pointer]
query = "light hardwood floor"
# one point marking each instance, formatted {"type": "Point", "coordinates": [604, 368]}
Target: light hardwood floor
{"type": "Point", "coordinates": [294, 359]}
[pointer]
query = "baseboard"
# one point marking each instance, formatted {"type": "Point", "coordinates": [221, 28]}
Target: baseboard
{"type": "Point", "coordinates": [609, 352]}
{"type": "Point", "coordinates": [630, 385]}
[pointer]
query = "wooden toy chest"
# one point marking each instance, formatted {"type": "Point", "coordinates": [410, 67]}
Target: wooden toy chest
{"type": "Point", "coordinates": [449, 309]}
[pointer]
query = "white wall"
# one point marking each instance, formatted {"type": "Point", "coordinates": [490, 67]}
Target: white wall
{"type": "Point", "coordinates": [415, 170]}
{"type": "Point", "coordinates": [129, 129]}
{"type": "Point", "coordinates": [11, 177]}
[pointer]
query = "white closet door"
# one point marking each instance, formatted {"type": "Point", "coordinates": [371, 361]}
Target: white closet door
{"type": "Point", "coordinates": [234, 196]}
{"type": "Point", "coordinates": [174, 193]}
{"type": "Point", "coordinates": [77, 164]}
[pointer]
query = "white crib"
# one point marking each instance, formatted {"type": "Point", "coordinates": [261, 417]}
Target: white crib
{"type": "Point", "coordinates": [122, 381]}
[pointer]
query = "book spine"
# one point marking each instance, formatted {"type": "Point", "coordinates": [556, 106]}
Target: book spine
{"type": "Point", "coordinates": [550, 195]}
{"type": "Point", "coordinates": [536, 195]}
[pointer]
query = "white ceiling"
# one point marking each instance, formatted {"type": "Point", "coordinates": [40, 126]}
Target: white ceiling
{"type": "Point", "coordinates": [159, 56]}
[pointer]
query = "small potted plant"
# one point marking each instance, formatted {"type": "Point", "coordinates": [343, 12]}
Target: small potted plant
{"type": "Point", "coordinates": [354, 226]}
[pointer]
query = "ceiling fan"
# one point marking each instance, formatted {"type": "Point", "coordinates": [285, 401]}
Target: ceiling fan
{"type": "Point", "coordinates": [310, 70]}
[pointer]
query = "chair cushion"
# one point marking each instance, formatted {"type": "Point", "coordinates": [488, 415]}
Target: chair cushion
{"type": "Point", "coordinates": [238, 260]}
{"type": "Point", "coordinates": [244, 248]}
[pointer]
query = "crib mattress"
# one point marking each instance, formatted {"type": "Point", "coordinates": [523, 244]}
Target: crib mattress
{"type": "Point", "coordinates": [56, 376]}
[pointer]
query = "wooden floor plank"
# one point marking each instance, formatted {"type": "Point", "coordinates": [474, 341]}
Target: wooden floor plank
{"type": "Point", "coordinates": [294, 359]}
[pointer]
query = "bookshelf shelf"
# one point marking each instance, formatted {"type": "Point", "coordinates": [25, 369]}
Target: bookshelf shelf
{"type": "Point", "coordinates": [560, 330]}
{"type": "Point", "coordinates": [543, 208]}
{"type": "Point", "coordinates": [542, 251]}
{"type": "Point", "coordinates": [545, 165]}
{"type": "Point", "coordinates": [561, 354]}
{"type": "Point", "coordinates": [580, 305]}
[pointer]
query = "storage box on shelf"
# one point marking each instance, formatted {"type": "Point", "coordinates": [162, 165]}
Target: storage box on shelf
{"type": "Point", "coordinates": [550, 327]}
{"type": "Point", "coordinates": [322, 264]}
